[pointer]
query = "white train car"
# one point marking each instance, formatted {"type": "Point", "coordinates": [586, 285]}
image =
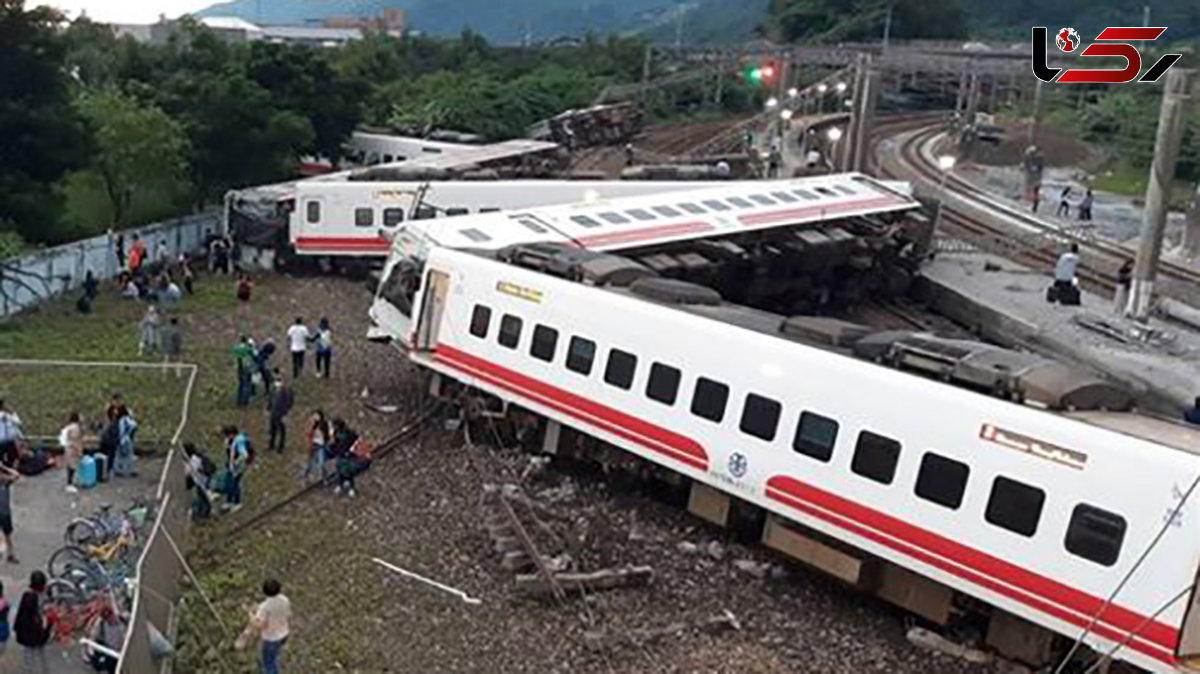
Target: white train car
{"type": "Point", "coordinates": [357, 218]}
{"type": "Point", "coordinates": [662, 213]}
{"type": "Point", "coordinates": [1085, 524]}
{"type": "Point", "coordinates": [370, 149]}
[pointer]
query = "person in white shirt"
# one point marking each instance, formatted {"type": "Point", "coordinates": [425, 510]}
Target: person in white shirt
{"type": "Point", "coordinates": [298, 337]}
{"type": "Point", "coordinates": [1064, 275]}
{"type": "Point", "coordinates": [10, 433]}
{"type": "Point", "coordinates": [269, 620]}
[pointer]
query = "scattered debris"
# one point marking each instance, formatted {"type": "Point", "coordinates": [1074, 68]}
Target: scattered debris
{"type": "Point", "coordinates": [919, 636]}
{"type": "Point", "coordinates": [607, 579]}
{"type": "Point", "coordinates": [687, 547]}
{"type": "Point", "coordinates": [433, 583]}
{"type": "Point", "coordinates": [715, 550]}
{"type": "Point", "coordinates": [757, 569]}
{"type": "Point", "coordinates": [604, 639]}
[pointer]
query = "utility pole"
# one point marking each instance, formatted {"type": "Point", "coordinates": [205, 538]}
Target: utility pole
{"type": "Point", "coordinates": [646, 76]}
{"type": "Point", "coordinates": [887, 26]}
{"type": "Point", "coordinates": [1176, 95]}
{"type": "Point", "coordinates": [864, 116]}
{"type": "Point", "coordinates": [1037, 108]}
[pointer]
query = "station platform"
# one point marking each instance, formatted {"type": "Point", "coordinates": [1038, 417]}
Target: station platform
{"type": "Point", "coordinates": [1006, 303]}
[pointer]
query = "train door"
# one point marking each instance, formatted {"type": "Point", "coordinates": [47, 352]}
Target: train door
{"type": "Point", "coordinates": [433, 306]}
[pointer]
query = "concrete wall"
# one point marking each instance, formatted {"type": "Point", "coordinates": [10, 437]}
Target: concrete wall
{"type": "Point", "coordinates": [29, 280]}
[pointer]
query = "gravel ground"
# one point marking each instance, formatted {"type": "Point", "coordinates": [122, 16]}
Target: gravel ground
{"type": "Point", "coordinates": [421, 508]}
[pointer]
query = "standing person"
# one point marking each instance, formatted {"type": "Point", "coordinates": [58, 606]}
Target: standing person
{"type": "Point", "coordinates": [298, 337]}
{"type": "Point", "coordinates": [280, 404]}
{"type": "Point", "coordinates": [200, 472]}
{"type": "Point", "coordinates": [7, 477]}
{"type": "Point", "coordinates": [629, 154]}
{"type": "Point", "coordinates": [32, 631]}
{"type": "Point", "coordinates": [341, 448]}
{"type": "Point", "coordinates": [172, 346]}
{"type": "Point", "coordinates": [243, 360]}
{"type": "Point", "coordinates": [137, 255]}
{"type": "Point", "coordinates": [262, 365]}
{"type": "Point", "coordinates": [1064, 277]}
{"type": "Point", "coordinates": [5, 631]}
{"type": "Point", "coordinates": [318, 435]}
{"type": "Point", "coordinates": [1035, 196]}
{"type": "Point", "coordinates": [237, 459]}
{"type": "Point", "coordinates": [91, 287]}
{"type": "Point", "coordinates": [185, 272]}
{"type": "Point", "coordinates": [244, 290]}
{"type": "Point", "coordinates": [1064, 206]}
{"type": "Point", "coordinates": [127, 427]}
{"type": "Point", "coordinates": [1124, 280]}
{"type": "Point", "coordinates": [71, 439]}
{"type": "Point", "coordinates": [148, 338]}
{"type": "Point", "coordinates": [1085, 206]}
{"type": "Point", "coordinates": [10, 434]}
{"type": "Point", "coordinates": [324, 340]}
{"type": "Point", "coordinates": [120, 251]}
{"type": "Point", "coordinates": [269, 622]}
{"type": "Point", "coordinates": [115, 403]}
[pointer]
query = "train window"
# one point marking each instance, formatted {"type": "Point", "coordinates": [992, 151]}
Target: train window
{"type": "Point", "coordinates": [1015, 506]}
{"type": "Point", "coordinates": [614, 218]}
{"type": "Point", "coordinates": [708, 402]}
{"type": "Point", "coordinates": [1095, 534]}
{"type": "Point", "coordinates": [313, 209]}
{"type": "Point", "coordinates": [387, 158]}
{"type": "Point", "coordinates": [640, 214]}
{"type": "Point", "coordinates": [545, 340]}
{"type": "Point", "coordinates": [804, 194]}
{"type": "Point", "coordinates": [667, 211]}
{"type": "Point", "coordinates": [942, 480]}
{"type": "Point", "coordinates": [425, 212]}
{"type": "Point", "coordinates": [815, 436]}
{"type": "Point", "coordinates": [510, 331]}
{"type": "Point", "coordinates": [716, 205]}
{"type": "Point", "coordinates": [760, 416]}
{"type": "Point", "coordinates": [481, 318]}
{"type": "Point", "coordinates": [784, 197]}
{"type": "Point", "coordinates": [691, 208]}
{"type": "Point", "coordinates": [580, 355]}
{"type": "Point", "coordinates": [392, 216]}
{"type": "Point", "coordinates": [663, 384]}
{"type": "Point", "coordinates": [843, 189]}
{"type": "Point", "coordinates": [457, 210]}
{"type": "Point", "coordinates": [364, 217]}
{"type": "Point", "coordinates": [826, 191]}
{"type": "Point", "coordinates": [875, 457]}
{"type": "Point", "coordinates": [762, 199]}
{"type": "Point", "coordinates": [489, 209]}
{"type": "Point", "coordinates": [740, 202]}
{"type": "Point", "coordinates": [475, 235]}
{"type": "Point", "coordinates": [584, 220]}
{"type": "Point", "coordinates": [619, 371]}
{"type": "Point", "coordinates": [531, 223]}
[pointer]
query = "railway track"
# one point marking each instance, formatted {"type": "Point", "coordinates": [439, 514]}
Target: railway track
{"type": "Point", "coordinates": [980, 219]}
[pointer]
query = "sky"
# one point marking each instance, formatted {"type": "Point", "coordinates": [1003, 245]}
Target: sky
{"type": "Point", "coordinates": [125, 11]}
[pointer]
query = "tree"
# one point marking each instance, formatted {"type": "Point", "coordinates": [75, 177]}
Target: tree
{"type": "Point", "coordinates": [139, 150]}
{"type": "Point", "coordinates": [832, 21]}
{"type": "Point", "coordinates": [40, 136]}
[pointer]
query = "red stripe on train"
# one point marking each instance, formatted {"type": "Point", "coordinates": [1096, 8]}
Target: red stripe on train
{"type": "Point", "coordinates": [977, 567]}
{"type": "Point", "coordinates": [655, 438]}
{"type": "Point", "coordinates": [632, 235]}
{"type": "Point", "coordinates": [373, 243]}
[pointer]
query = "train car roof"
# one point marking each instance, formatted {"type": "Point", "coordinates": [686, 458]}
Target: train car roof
{"type": "Point", "coordinates": [716, 210]}
{"type": "Point", "coordinates": [477, 154]}
{"type": "Point", "coordinates": [1163, 431]}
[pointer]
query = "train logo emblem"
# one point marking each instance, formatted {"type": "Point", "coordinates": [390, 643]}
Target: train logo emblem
{"type": "Point", "coordinates": [1067, 39]}
{"type": "Point", "coordinates": [738, 464]}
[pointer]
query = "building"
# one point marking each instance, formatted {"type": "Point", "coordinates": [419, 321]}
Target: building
{"type": "Point", "coordinates": [329, 32]}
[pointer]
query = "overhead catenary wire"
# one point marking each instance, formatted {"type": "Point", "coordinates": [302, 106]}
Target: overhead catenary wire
{"type": "Point", "coordinates": [1132, 633]}
{"type": "Point", "coordinates": [1162, 531]}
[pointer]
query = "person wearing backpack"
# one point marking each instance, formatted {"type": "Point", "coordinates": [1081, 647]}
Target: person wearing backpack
{"type": "Point", "coordinates": [127, 426]}
{"type": "Point", "coordinates": [238, 457]}
{"type": "Point", "coordinates": [5, 629]}
{"type": "Point", "coordinates": [30, 626]}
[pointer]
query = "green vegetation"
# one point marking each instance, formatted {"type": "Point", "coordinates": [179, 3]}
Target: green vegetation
{"type": "Point", "coordinates": [832, 21]}
{"type": "Point", "coordinates": [98, 132]}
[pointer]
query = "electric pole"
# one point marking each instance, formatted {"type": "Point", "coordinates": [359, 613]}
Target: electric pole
{"type": "Point", "coordinates": [1162, 172]}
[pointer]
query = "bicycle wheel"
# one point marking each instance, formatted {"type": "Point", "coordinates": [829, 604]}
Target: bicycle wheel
{"type": "Point", "coordinates": [73, 563]}
{"type": "Point", "coordinates": [85, 531]}
{"type": "Point", "coordinates": [64, 593]}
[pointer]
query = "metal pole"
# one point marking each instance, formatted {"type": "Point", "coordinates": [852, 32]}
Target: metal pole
{"type": "Point", "coordinates": [1162, 171]}
{"type": "Point", "coordinates": [937, 216]}
{"type": "Point", "coordinates": [887, 26]}
{"type": "Point", "coordinates": [1037, 106]}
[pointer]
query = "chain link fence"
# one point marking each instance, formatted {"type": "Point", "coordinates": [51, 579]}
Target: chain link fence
{"type": "Point", "coordinates": [31, 279]}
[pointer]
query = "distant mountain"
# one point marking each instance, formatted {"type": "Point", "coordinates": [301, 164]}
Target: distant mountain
{"type": "Point", "coordinates": [512, 21]}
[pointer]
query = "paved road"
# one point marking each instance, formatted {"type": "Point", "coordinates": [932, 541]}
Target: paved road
{"type": "Point", "coordinates": [41, 511]}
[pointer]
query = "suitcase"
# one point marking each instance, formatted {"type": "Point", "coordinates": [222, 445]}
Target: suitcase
{"type": "Point", "coordinates": [1052, 294]}
{"type": "Point", "coordinates": [1069, 296]}
{"type": "Point", "coordinates": [85, 477]}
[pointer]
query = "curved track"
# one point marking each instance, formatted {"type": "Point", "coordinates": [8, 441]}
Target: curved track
{"type": "Point", "coordinates": [980, 219]}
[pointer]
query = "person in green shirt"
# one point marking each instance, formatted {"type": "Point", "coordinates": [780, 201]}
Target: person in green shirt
{"type": "Point", "coordinates": [243, 360]}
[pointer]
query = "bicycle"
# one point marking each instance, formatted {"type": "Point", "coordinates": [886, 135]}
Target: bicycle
{"type": "Point", "coordinates": [104, 526]}
{"type": "Point", "coordinates": [69, 615]}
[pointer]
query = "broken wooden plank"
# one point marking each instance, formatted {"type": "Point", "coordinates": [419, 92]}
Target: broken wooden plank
{"type": "Point", "coordinates": [607, 579]}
